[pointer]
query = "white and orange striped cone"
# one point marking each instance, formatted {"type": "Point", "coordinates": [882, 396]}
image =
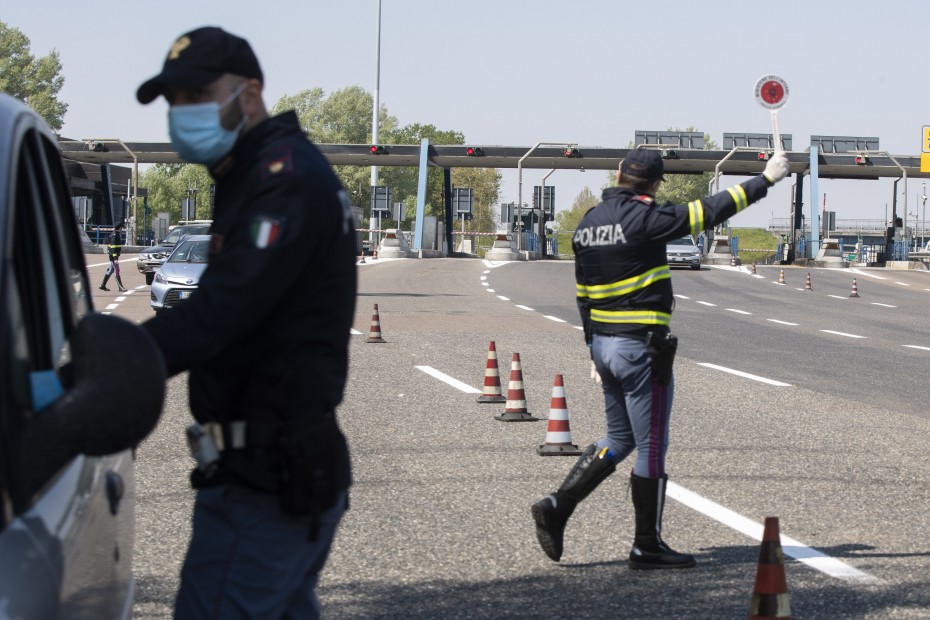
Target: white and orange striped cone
{"type": "Point", "coordinates": [515, 410]}
{"type": "Point", "coordinates": [781, 276]}
{"type": "Point", "coordinates": [732, 260]}
{"type": "Point", "coordinates": [558, 432]}
{"type": "Point", "coordinates": [492, 379]}
{"type": "Point", "coordinates": [807, 285]}
{"type": "Point", "coordinates": [770, 598]}
{"type": "Point", "coordinates": [753, 271]}
{"type": "Point", "coordinates": [855, 289]}
{"type": "Point", "coordinates": [374, 333]}
{"type": "Point", "coordinates": [361, 258]}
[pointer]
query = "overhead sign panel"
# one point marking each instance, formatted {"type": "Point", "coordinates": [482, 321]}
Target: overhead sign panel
{"type": "Point", "coordinates": [754, 140]}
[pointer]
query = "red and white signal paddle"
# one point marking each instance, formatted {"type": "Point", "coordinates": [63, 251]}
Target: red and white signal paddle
{"type": "Point", "coordinates": [772, 93]}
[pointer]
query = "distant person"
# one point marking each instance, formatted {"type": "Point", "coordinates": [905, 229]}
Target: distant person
{"type": "Point", "coordinates": [265, 340]}
{"type": "Point", "coordinates": [624, 294]}
{"type": "Point", "coordinates": [114, 249]}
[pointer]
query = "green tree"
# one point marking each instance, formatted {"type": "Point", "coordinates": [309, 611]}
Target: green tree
{"type": "Point", "coordinates": [168, 185]}
{"type": "Point", "coordinates": [568, 220]}
{"type": "Point", "coordinates": [36, 81]}
{"type": "Point", "coordinates": [680, 188]}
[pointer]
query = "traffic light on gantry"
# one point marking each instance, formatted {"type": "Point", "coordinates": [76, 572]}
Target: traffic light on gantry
{"type": "Point", "coordinates": [378, 149]}
{"type": "Point", "coordinates": [763, 156]}
{"type": "Point", "coordinates": [863, 160]}
{"type": "Point", "coordinates": [474, 151]}
{"type": "Point", "coordinates": [572, 152]}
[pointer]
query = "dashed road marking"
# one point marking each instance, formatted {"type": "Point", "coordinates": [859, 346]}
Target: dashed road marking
{"type": "Point", "coordinates": [737, 311]}
{"type": "Point", "coordinates": [915, 346]}
{"type": "Point", "coordinates": [837, 297]}
{"type": "Point", "coordinates": [875, 303]}
{"type": "Point", "coordinates": [783, 322]}
{"type": "Point", "coordinates": [745, 375]}
{"type": "Point", "coordinates": [553, 318]}
{"type": "Point", "coordinates": [830, 331]}
{"type": "Point", "coordinates": [524, 307]}
{"type": "Point", "coordinates": [459, 385]}
{"type": "Point", "coordinates": [502, 298]}
{"type": "Point", "coordinates": [707, 303]}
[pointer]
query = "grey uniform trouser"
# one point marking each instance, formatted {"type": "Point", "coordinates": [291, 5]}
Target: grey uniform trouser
{"type": "Point", "coordinates": [637, 407]}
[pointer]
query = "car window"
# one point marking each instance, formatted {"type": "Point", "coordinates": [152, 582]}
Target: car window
{"type": "Point", "coordinates": [172, 237]}
{"type": "Point", "coordinates": [191, 251]}
{"type": "Point", "coordinates": [688, 241]}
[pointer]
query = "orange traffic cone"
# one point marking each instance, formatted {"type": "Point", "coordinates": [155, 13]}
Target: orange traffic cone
{"type": "Point", "coordinates": [855, 289]}
{"type": "Point", "coordinates": [558, 433]}
{"type": "Point", "coordinates": [781, 276]}
{"type": "Point", "coordinates": [807, 285]}
{"type": "Point", "coordinates": [770, 596]}
{"type": "Point", "coordinates": [732, 260]}
{"type": "Point", "coordinates": [376, 254]}
{"type": "Point", "coordinates": [515, 410]}
{"type": "Point", "coordinates": [492, 379]}
{"type": "Point", "coordinates": [374, 334]}
{"type": "Point", "coordinates": [361, 258]}
{"type": "Point", "coordinates": [753, 271]}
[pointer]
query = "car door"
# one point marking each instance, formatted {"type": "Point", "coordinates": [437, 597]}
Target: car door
{"type": "Point", "coordinates": [66, 542]}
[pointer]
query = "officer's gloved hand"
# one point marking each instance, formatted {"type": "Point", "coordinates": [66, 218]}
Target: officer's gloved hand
{"type": "Point", "coordinates": [777, 168]}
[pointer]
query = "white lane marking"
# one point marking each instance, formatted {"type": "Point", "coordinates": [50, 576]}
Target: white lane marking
{"type": "Point", "coordinates": [578, 327]}
{"type": "Point", "coordinates": [745, 375]}
{"type": "Point", "coordinates": [737, 311]}
{"type": "Point", "coordinates": [490, 290]}
{"type": "Point", "coordinates": [682, 297]}
{"type": "Point", "coordinates": [836, 297]}
{"type": "Point", "coordinates": [111, 307]}
{"type": "Point", "coordinates": [875, 303]}
{"type": "Point", "coordinates": [830, 331]}
{"type": "Point", "coordinates": [914, 346]}
{"type": "Point", "coordinates": [447, 379]}
{"type": "Point", "coordinates": [120, 298]}
{"type": "Point", "coordinates": [485, 284]}
{"type": "Point", "coordinates": [779, 283]}
{"type": "Point", "coordinates": [484, 277]}
{"type": "Point", "coordinates": [354, 331]}
{"type": "Point", "coordinates": [902, 283]}
{"type": "Point", "coordinates": [502, 298]}
{"type": "Point", "coordinates": [553, 318]}
{"type": "Point", "coordinates": [781, 322]}
{"type": "Point", "coordinates": [707, 303]}
{"type": "Point", "coordinates": [791, 547]}
{"type": "Point", "coordinates": [524, 307]}
{"type": "Point", "coordinates": [867, 274]}
{"type": "Point", "coordinates": [486, 271]}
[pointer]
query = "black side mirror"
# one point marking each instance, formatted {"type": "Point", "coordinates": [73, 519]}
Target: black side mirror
{"type": "Point", "coordinates": [112, 403]}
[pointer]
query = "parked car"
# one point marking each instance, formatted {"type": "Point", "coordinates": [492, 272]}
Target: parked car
{"type": "Point", "coordinates": [683, 252]}
{"type": "Point", "coordinates": [178, 277]}
{"type": "Point", "coordinates": [152, 258]}
{"type": "Point", "coordinates": [79, 390]}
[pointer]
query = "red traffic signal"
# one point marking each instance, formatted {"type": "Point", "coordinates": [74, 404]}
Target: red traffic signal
{"type": "Point", "coordinates": [474, 151]}
{"type": "Point", "coordinates": [572, 152]}
{"type": "Point", "coordinates": [377, 149]}
{"type": "Point", "coordinates": [862, 160]}
{"type": "Point", "coordinates": [763, 156]}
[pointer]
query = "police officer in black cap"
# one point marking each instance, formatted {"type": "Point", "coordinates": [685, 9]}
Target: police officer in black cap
{"type": "Point", "coordinates": [624, 295]}
{"type": "Point", "coordinates": [265, 338]}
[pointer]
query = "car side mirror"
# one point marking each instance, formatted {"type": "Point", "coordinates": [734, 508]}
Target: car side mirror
{"type": "Point", "coordinates": [112, 401]}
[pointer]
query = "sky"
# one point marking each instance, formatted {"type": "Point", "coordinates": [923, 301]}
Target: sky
{"type": "Point", "coordinates": [518, 72]}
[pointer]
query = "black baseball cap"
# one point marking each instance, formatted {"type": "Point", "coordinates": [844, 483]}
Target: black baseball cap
{"type": "Point", "coordinates": [199, 57]}
{"type": "Point", "coordinates": [644, 164]}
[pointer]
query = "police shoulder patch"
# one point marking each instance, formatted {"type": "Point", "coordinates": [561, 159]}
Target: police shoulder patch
{"type": "Point", "coordinates": [277, 161]}
{"type": "Point", "coordinates": [265, 231]}
{"type": "Point", "coordinates": [645, 199]}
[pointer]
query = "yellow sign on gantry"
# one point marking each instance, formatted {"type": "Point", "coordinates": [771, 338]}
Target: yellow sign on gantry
{"type": "Point", "coordinates": [925, 150]}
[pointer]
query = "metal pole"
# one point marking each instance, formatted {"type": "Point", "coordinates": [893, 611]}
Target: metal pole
{"type": "Point", "coordinates": [375, 109]}
{"type": "Point", "coordinates": [520, 188]}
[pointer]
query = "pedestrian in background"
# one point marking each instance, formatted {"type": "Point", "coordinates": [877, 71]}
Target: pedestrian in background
{"type": "Point", "coordinates": [265, 340]}
{"type": "Point", "coordinates": [114, 249]}
{"type": "Point", "coordinates": [624, 295]}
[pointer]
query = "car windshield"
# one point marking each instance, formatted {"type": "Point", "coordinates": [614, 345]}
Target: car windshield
{"type": "Point", "coordinates": [191, 251]}
{"type": "Point", "coordinates": [688, 241]}
{"type": "Point", "coordinates": [175, 235]}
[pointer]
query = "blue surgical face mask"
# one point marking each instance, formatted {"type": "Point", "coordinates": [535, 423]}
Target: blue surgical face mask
{"type": "Point", "coordinates": [197, 133]}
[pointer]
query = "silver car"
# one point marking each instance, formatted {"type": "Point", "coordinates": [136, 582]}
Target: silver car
{"type": "Point", "coordinates": [683, 252]}
{"type": "Point", "coordinates": [178, 277]}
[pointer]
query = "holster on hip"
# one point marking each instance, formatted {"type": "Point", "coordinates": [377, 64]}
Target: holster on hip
{"type": "Point", "coordinates": [662, 348]}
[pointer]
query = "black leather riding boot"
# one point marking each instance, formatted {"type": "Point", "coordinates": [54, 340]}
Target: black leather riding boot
{"type": "Point", "coordinates": [649, 550]}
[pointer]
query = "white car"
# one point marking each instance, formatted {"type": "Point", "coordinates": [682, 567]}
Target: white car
{"type": "Point", "coordinates": [683, 252]}
{"type": "Point", "coordinates": [178, 277]}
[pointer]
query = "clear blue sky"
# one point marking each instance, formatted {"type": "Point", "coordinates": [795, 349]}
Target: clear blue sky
{"type": "Point", "coordinates": [518, 72]}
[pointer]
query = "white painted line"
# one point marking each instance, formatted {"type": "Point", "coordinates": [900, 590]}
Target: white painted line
{"type": "Point", "coordinates": [490, 290]}
{"type": "Point", "coordinates": [485, 284]}
{"type": "Point", "coordinates": [837, 297]}
{"type": "Point", "coordinates": [112, 307]}
{"type": "Point", "coordinates": [707, 303]}
{"type": "Point", "coordinates": [737, 311]}
{"type": "Point", "coordinates": [447, 379]}
{"type": "Point", "coordinates": [130, 291]}
{"type": "Point", "coordinates": [830, 331]}
{"type": "Point", "coordinates": [501, 297]}
{"type": "Point", "coordinates": [120, 298]}
{"type": "Point", "coordinates": [756, 275]}
{"type": "Point", "coordinates": [486, 271]}
{"type": "Point", "coordinates": [902, 283]}
{"type": "Point", "coordinates": [782, 322]}
{"type": "Point", "coordinates": [524, 307]}
{"type": "Point", "coordinates": [778, 283]}
{"type": "Point", "coordinates": [484, 277]}
{"type": "Point", "coordinates": [354, 331]}
{"type": "Point", "coordinates": [578, 327]}
{"type": "Point", "coordinates": [553, 318]}
{"type": "Point", "coordinates": [914, 346]}
{"type": "Point", "coordinates": [875, 303]}
{"type": "Point", "coordinates": [791, 547]}
{"type": "Point", "coordinates": [867, 274]}
{"type": "Point", "coordinates": [745, 375]}
{"type": "Point", "coordinates": [682, 297]}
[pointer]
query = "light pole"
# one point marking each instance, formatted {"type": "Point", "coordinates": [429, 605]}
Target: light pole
{"type": "Point", "coordinates": [923, 198]}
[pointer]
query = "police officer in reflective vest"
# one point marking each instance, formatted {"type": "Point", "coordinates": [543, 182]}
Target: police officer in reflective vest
{"type": "Point", "coordinates": [624, 295]}
{"type": "Point", "coordinates": [265, 338]}
{"type": "Point", "coordinates": [114, 249]}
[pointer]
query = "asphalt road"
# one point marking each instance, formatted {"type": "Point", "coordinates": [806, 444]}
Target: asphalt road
{"type": "Point", "coordinates": [829, 433]}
